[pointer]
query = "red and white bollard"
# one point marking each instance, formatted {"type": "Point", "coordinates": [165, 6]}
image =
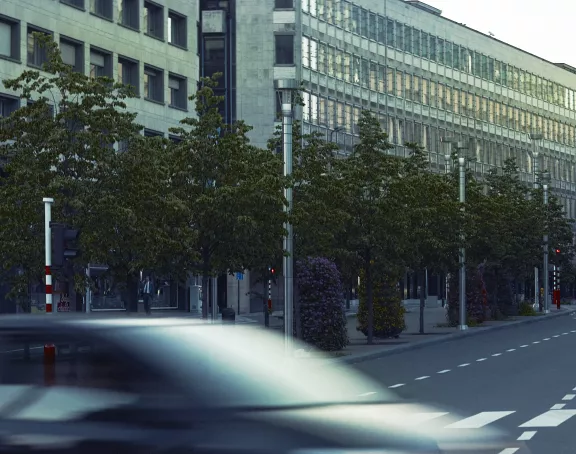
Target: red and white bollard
{"type": "Point", "coordinates": [48, 201]}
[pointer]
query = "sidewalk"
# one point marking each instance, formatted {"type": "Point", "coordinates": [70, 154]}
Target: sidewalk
{"type": "Point", "coordinates": [436, 330]}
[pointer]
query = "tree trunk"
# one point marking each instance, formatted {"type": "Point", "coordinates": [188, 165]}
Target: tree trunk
{"type": "Point", "coordinates": [206, 297]}
{"type": "Point", "coordinates": [369, 301]}
{"type": "Point", "coordinates": [423, 286]}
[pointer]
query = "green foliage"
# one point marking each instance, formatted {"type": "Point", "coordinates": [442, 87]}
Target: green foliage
{"type": "Point", "coordinates": [232, 191]}
{"type": "Point", "coordinates": [66, 156]}
{"type": "Point", "coordinates": [388, 308]}
{"type": "Point", "coordinates": [526, 309]}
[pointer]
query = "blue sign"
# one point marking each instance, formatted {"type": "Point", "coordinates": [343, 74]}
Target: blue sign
{"type": "Point", "coordinates": [240, 276]}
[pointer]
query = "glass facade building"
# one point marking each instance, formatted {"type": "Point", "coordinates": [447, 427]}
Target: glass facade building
{"type": "Point", "coordinates": [427, 77]}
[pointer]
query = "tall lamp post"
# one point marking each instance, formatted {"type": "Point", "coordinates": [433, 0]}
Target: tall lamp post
{"type": "Point", "coordinates": [545, 277]}
{"type": "Point", "coordinates": [286, 88]}
{"type": "Point", "coordinates": [460, 146]}
{"type": "Point", "coordinates": [535, 137]}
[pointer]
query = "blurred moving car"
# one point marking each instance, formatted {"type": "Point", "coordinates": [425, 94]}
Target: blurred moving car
{"type": "Point", "coordinates": [173, 386]}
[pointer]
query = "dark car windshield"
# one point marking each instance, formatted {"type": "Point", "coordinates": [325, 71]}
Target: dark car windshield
{"type": "Point", "coordinates": [247, 367]}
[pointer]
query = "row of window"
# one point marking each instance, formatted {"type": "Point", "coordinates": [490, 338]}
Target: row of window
{"type": "Point", "coordinates": [128, 16]}
{"type": "Point", "coordinates": [370, 25]}
{"type": "Point", "coordinates": [10, 103]}
{"type": "Point", "coordinates": [382, 79]}
{"type": "Point", "coordinates": [101, 64]}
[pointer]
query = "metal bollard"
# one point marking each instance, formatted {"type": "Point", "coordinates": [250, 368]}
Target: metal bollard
{"type": "Point", "coordinates": [228, 316]}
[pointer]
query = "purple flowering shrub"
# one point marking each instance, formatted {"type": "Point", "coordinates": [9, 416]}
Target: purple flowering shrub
{"type": "Point", "coordinates": [322, 310]}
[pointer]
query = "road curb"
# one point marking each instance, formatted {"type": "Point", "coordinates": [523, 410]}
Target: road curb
{"type": "Point", "coordinates": [352, 359]}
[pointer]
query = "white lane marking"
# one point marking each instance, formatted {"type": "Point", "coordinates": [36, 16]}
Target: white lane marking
{"type": "Point", "coordinates": [479, 420]}
{"type": "Point", "coordinates": [511, 350]}
{"type": "Point", "coordinates": [557, 406]}
{"type": "Point", "coordinates": [546, 339]}
{"type": "Point", "coordinates": [526, 436]}
{"type": "Point", "coordinates": [564, 334]}
{"type": "Point", "coordinates": [557, 335]}
{"type": "Point", "coordinates": [523, 346]}
{"type": "Point", "coordinates": [396, 386]}
{"type": "Point", "coordinates": [569, 397]}
{"type": "Point", "coordinates": [424, 377]}
{"type": "Point", "coordinates": [536, 342]}
{"type": "Point", "coordinates": [509, 451]}
{"type": "Point", "coordinates": [573, 389]}
{"type": "Point", "coordinates": [573, 331]}
{"type": "Point", "coordinates": [552, 418]}
{"type": "Point", "coordinates": [496, 354]}
{"type": "Point", "coordinates": [367, 394]}
{"type": "Point", "coordinates": [480, 360]}
{"type": "Point", "coordinates": [443, 371]}
{"type": "Point", "coordinates": [464, 365]}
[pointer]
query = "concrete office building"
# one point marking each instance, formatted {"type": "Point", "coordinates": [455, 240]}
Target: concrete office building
{"type": "Point", "coordinates": [424, 75]}
{"type": "Point", "coordinates": [151, 45]}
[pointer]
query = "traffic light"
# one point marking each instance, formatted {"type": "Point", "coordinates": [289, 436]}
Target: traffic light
{"type": "Point", "coordinates": [272, 274]}
{"type": "Point", "coordinates": [557, 251]}
{"type": "Point", "coordinates": [64, 244]}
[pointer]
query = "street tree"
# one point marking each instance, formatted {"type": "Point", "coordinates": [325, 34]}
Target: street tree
{"type": "Point", "coordinates": [59, 144]}
{"type": "Point", "coordinates": [375, 217]}
{"type": "Point", "coordinates": [232, 190]}
{"type": "Point", "coordinates": [434, 219]}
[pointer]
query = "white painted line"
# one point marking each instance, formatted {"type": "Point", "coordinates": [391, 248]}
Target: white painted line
{"type": "Point", "coordinates": [552, 418]}
{"type": "Point", "coordinates": [523, 346]}
{"type": "Point", "coordinates": [511, 350]}
{"type": "Point", "coordinates": [509, 451]}
{"type": "Point", "coordinates": [546, 339]}
{"type": "Point", "coordinates": [443, 371]}
{"type": "Point", "coordinates": [536, 342]}
{"type": "Point", "coordinates": [569, 397]}
{"type": "Point", "coordinates": [573, 389]}
{"type": "Point", "coordinates": [573, 331]}
{"type": "Point", "coordinates": [396, 386]}
{"type": "Point", "coordinates": [526, 436]}
{"type": "Point", "coordinates": [564, 334]}
{"type": "Point", "coordinates": [557, 406]}
{"type": "Point", "coordinates": [496, 354]}
{"type": "Point", "coordinates": [464, 365]}
{"type": "Point", "coordinates": [424, 377]}
{"type": "Point", "coordinates": [557, 335]}
{"type": "Point", "coordinates": [367, 394]}
{"type": "Point", "coordinates": [480, 360]}
{"type": "Point", "coordinates": [479, 420]}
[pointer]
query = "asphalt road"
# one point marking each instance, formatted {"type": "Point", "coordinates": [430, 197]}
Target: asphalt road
{"type": "Point", "coordinates": [524, 376]}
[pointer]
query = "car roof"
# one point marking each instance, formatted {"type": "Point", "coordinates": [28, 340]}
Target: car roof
{"type": "Point", "coordinates": [93, 321]}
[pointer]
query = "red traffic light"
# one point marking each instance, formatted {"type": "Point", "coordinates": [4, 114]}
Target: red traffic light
{"type": "Point", "coordinates": [272, 270]}
{"type": "Point", "coordinates": [557, 251]}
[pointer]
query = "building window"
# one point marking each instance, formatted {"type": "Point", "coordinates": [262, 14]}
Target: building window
{"type": "Point", "coordinates": [178, 92]}
{"type": "Point", "coordinates": [284, 4]}
{"type": "Point", "coordinates": [129, 13]}
{"type": "Point", "coordinates": [37, 55]}
{"type": "Point", "coordinates": [8, 105]}
{"type": "Point", "coordinates": [152, 133]}
{"type": "Point", "coordinates": [75, 3]}
{"type": "Point", "coordinates": [154, 20]}
{"type": "Point", "coordinates": [153, 84]}
{"type": "Point", "coordinates": [177, 30]}
{"type": "Point", "coordinates": [100, 64]}
{"type": "Point", "coordinates": [284, 49]}
{"type": "Point", "coordinates": [9, 39]}
{"type": "Point", "coordinates": [103, 8]}
{"type": "Point", "coordinates": [128, 73]}
{"type": "Point", "coordinates": [72, 53]}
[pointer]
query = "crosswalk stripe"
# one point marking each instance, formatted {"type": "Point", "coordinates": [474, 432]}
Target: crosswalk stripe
{"type": "Point", "coordinates": [479, 420]}
{"type": "Point", "coordinates": [557, 406]}
{"type": "Point", "coordinates": [551, 418]}
{"type": "Point", "coordinates": [509, 451]}
{"type": "Point", "coordinates": [526, 436]}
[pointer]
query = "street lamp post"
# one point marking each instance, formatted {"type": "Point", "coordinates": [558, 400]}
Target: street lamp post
{"type": "Point", "coordinates": [286, 88]}
{"type": "Point", "coordinates": [462, 326]}
{"type": "Point", "coordinates": [534, 138]}
{"type": "Point", "coordinates": [545, 277]}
